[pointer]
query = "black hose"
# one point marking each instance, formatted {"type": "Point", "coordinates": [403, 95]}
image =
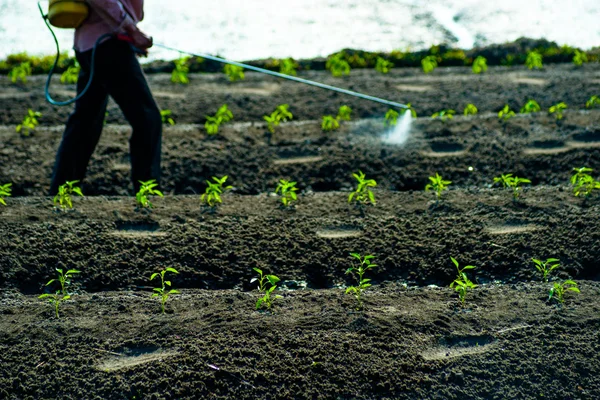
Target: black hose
{"type": "Point", "coordinates": [89, 83]}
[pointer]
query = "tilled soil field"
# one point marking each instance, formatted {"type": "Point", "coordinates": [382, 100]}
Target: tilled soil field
{"type": "Point", "coordinates": [412, 340]}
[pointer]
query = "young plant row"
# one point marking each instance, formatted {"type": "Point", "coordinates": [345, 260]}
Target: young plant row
{"type": "Point", "coordinates": [267, 283]}
{"type": "Point", "coordinates": [329, 122]}
{"type": "Point", "coordinates": [582, 182]}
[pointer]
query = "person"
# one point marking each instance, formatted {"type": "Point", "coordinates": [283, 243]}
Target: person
{"type": "Point", "coordinates": [117, 73]}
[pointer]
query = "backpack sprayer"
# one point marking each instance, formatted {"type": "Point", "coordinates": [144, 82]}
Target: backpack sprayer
{"type": "Point", "coordinates": [70, 14]}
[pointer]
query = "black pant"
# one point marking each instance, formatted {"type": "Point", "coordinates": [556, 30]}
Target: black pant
{"type": "Point", "coordinates": [118, 74]}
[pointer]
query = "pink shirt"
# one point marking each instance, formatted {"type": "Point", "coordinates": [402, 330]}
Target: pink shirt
{"type": "Point", "coordinates": [107, 16]}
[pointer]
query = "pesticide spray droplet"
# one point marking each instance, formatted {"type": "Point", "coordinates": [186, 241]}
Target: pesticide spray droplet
{"type": "Point", "coordinates": [400, 133]}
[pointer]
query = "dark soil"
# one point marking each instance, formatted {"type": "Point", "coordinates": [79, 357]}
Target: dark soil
{"type": "Point", "coordinates": [412, 341]}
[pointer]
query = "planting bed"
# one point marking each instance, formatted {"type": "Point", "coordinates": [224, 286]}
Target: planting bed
{"type": "Point", "coordinates": [411, 341]}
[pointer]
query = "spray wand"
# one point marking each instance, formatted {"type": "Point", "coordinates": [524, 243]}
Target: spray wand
{"type": "Point", "coordinates": [206, 56]}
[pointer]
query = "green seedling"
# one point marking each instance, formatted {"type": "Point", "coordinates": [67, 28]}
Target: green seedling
{"type": "Point", "coordinates": [362, 195]}
{"type": "Point", "coordinates": [5, 191]}
{"type": "Point", "coordinates": [444, 115]}
{"type": "Point", "coordinates": [391, 118]}
{"type": "Point", "coordinates": [213, 123]}
{"type": "Point", "coordinates": [30, 122]}
{"type": "Point", "coordinates": [263, 281]}
{"type": "Point", "coordinates": [344, 113]}
{"type": "Point", "coordinates": [20, 72]}
{"type": "Point", "coordinates": [557, 110]}
{"type": "Point", "coordinates": [583, 182]}
{"type": "Point", "coordinates": [287, 190]}
{"type": "Point", "coordinates": [545, 267]}
{"type": "Point", "coordinates": [64, 279]}
{"type": "Point", "coordinates": [438, 184]}
{"type": "Point", "coordinates": [531, 106]}
{"type": "Point", "coordinates": [593, 102]}
{"type": "Point", "coordinates": [557, 292]}
{"type": "Point", "coordinates": [212, 194]}
{"type": "Point", "coordinates": [234, 72]}
{"type": "Point", "coordinates": [71, 75]}
{"type": "Point", "coordinates": [181, 70]}
{"type": "Point", "coordinates": [480, 65]}
{"type": "Point", "coordinates": [166, 118]}
{"type": "Point", "coordinates": [506, 113]}
{"type": "Point", "coordinates": [512, 182]}
{"type": "Point", "coordinates": [579, 58]}
{"type": "Point", "coordinates": [281, 114]}
{"type": "Point", "coordinates": [147, 188]}
{"type": "Point", "coordinates": [470, 109]}
{"type": "Point", "coordinates": [534, 60]}
{"type": "Point", "coordinates": [287, 66]}
{"type": "Point", "coordinates": [413, 113]}
{"type": "Point", "coordinates": [65, 191]}
{"type": "Point", "coordinates": [462, 284]}
{"type": "Point", "coordinates": [429, 64]}
{"type": "Point", "coordinates": [382, 65]}
{"type": "Point", "coordinates": [162, 291]}
{"type": "Point", "coordinates": [329, 123]}
{"type": "Point", "coordinates": [338, 66]}
{"type": "Point", "coordinates": [358, 273]}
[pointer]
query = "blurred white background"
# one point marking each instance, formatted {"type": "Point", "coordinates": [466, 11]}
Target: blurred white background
{"type": "Point", "coordinates": [243, 29]}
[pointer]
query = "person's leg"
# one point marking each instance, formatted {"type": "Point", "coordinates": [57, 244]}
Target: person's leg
{"type": "Point", "coordinates": [129, 89]}
{"type": "Point", "coordinates": [83, 127]}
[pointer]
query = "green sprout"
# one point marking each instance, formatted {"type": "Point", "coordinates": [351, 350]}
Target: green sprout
{"type": "Point", "coordinates": [329, 123]}
{"type": "Point", "coordinates": [557, 292]}
{"type": "Point", "coordinates": [287, 190]}
{"type": "Point", "coordinates": [506, 113]}
{"type": "Point", "coordinates": [63, 197]}
{"type": "Point", "coordinates": [263, 281]}
{"type": "Point", "coordinates": [147, 188]}
{"type": "Point", "coordinates": [579, 58]}
{"type": "Point", "coordinates": [583, 182]}
{"type": "Point", "coordinates": [213, 123]}
{"type": "Point", "coordinates": [470, 109]}
{"type": "Point", "coordinates": [71, 75]}
{"type": "Point", "coordinates": [557, 110]}
{"type": "Point", "coordinates": [20, 72]}
{"type": "Point", "coordinates": [480, 65]}
{"type": "Point", "coordinates": [166, 118]}
{"type": "Point", "coordinates": [534, 60]}
{"type": "Point", "coordinates": [212, 194]}
{"type": "Point", "coordinates": [64, 279]}
{"type": "Point", "coordinates": [181, 70]}
{"type": "Point", "coordinates": [5, 191]}
{"type": "Point", "coordinates": [281, 114]}
{"type": "Point", "coordinates": [444, 115]}
{"type": "Point", "coordinates": [337, 65]}
{"type": "Point", "coordinates": [438, 184]}
{"type": "Point", "coordinates": [344, 113]}
{"type": "Point", "coordinates": [358, 273]}
{"type": "Point", "coordinates": [162, 291]}
{"type": "Point", "coordinates": [531, 106]}
{"type": "Point", "coordinates": [409, 107]}
{"type": "Point", "coordinates": [593, 102]}
{"type": "Point", "coordinates": [462, 284]}
{"type": "Point", "coordinates": [545, 267]}
{"type": "Point", "coordinates": [362, 195]}
{"type": "Point", "coordinates": [287, 66]}
{"type": "Point", "coordinates": [234, 72]}
{"type": "Point", "coordinates": [383, 65]}
{"type": "Point", "coordinates": [391, 118]}
{"type": "Point", "coordinates": [513, 182]}
{"type": "Point", "coordinates": [429, 63]}
{"type": "Point", "coordinates": [30, 122]}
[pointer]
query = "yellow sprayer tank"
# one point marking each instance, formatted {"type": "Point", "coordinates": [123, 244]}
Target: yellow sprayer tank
{"type": "Point", "coordinates": [67, 13]}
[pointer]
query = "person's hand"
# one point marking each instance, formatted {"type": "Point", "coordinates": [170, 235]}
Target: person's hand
{"type": "Point", "coordinates": [140, 39]}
